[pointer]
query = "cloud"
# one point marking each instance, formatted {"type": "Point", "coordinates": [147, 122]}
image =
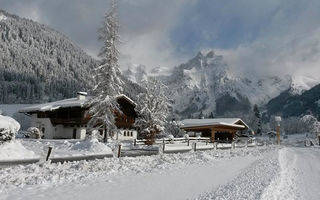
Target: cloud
{"type": "Point", "coordinates": [256, 37]}
{"type": "Point", "coordinates": [145, 25]}
{"type": "Point", "coordinates": [146, 33]}
{"type": "Point", "coordinates": [288, 44]}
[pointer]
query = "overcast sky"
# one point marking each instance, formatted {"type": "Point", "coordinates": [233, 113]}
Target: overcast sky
{"type": "Point", "coordinates": [256, 37]}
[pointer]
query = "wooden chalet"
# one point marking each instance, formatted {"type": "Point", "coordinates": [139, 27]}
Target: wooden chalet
{"type": "Point", "coordinates": [67, 119]}
{"type": "Point", "coordinates": [223, 129]}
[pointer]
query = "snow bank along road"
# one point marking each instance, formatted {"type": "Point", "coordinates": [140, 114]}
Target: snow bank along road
{"type": "Point", "coordinates": [255, 173]}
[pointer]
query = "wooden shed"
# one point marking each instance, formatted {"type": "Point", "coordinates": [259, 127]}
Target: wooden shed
{"type": "Point", "coordinates": [223, 129]}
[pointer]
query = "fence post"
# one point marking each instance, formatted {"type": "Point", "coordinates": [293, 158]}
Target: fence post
{"type": "Point", "coordinates": [49, 153]}
{"type": "Point", "coordinates": [134, 142]}
{"type": "Point", "coordinates": [233, 145]}
{"type": "Point", "coordinates": [163, 147]}
{"type": "Point", "coordinates": [195, 146]}
{"type": "Point", "coordinates": [188, 142]}
{"type": "Point", "coordinates": [119, 150]}
{"type": "Point", "coordinates": [215, 145]}
{"type": "Point", "coordinates": [206, 142]}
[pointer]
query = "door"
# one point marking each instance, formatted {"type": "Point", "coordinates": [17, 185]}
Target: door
{"type": "Point", "coordinates": [74, 135]}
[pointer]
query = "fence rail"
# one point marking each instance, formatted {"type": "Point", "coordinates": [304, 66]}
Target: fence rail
{"type": "Point", "coordinates": [165, 145]}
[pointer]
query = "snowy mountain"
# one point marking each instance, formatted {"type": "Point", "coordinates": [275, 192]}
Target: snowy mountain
{"type": "Point", "coordinates": [206, 85]}
{"type": "Point", "coordinates": [289, 105]}
{"type": "Point", "coordinates": [39, 64]}
{"type": "Point", "coordinates": [136, 73]}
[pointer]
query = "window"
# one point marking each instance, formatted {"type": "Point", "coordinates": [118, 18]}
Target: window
{"type": "Point", "coordinates": [131, 134]}
{"type": "Point", "coordinates": [125, 133]}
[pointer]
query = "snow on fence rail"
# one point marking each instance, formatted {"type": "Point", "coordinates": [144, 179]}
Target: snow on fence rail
{"type": "Point", "coordinates": [175, 145]}
{"type": "Point", "coordinates": [139, 148]}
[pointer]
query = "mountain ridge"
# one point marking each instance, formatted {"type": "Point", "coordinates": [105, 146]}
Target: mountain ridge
{"type": "Point", "coordinates": [205, 84]}
{"type": "Point", "coordinates": [39, 64]}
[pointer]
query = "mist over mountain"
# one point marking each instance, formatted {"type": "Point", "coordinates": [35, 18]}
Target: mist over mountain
{"type": "Point", "coordinates": [205, 85]}
{"type": "Point", "coordinates": [39, 64]}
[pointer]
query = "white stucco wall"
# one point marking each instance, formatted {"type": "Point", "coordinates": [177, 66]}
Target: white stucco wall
{"type": "Point", "coordinates": [41, 123]}
{"type": "Point", "coordinates": [126, 134]}
{"type": "Point", "coordinates": [66, 132]}
{"type": "Point", "coordinates": [58, 131]}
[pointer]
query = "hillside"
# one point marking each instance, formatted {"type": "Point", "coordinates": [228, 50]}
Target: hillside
{"type": "Point", "coordinates": [288, 105]}
{"type": "Point", "coordinates": [39, 64]}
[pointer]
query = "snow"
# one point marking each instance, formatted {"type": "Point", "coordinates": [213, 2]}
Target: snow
{"type": "Point", "coordinates": [250, 183]}
{"type": "Point", "coordinates": [267, 172]}
{"type": "Point", "coordinates": [9, 124]}
{"type": "Point", "coordinates": [2, 17]}
{"type": "Point", "coordinates": [92, 145]}
{"type": "Point", "coordinates": [15, 150]}
{"type": "Point", "coordinates": [66, 148]}
{"type": "Point", "coordinates": [71, 102]}
{"type": "Point", "coordinates": [168, 176]}
{"type": "Point", "coordinates": [302, 83]}
{"type": "Point", "coordinates": [298, 177]}
{"type": "Point", "coordinates": [197, 84]}
{"type": "Point", "coordinates": [208, 122]}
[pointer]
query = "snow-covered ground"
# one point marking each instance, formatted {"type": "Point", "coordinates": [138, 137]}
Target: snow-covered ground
{"type": "Point", "coordinates": [178, 176]}
{"type": "Point", "coordinates": [20, 149]}
{"type": "Point", "coordinates": [66, 148]}
{"type": "Point", "coordinates": [261, 172]}
{"type": "Point", "coordinates": [15, 150]}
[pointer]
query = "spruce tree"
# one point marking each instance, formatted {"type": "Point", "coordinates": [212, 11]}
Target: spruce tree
{"type": "Point", "coordinates": [109, 85]}
{"type": "Point", "coordinates": [257, 116]}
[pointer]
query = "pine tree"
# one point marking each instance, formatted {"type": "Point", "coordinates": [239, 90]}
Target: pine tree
{"type": "Point", "coordinates": [201, 116]}
{"type": "Point", "coordinates": [257, 116]}
{"type": "Point", "coordinates": [211, 116]}
{"type": "Point", "coordinates": [152, 108]}
{"type": "Point", "coordinates": [109, 85]}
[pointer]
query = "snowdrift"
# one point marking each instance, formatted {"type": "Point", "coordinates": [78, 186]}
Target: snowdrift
{"type": "Point", "coordinates": [14, 150]}
{"type": "Point", "coordinates": [8, 128]}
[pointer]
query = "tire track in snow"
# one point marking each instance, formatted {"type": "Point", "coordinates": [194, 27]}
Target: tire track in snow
{"type": "Point", "coordinates": [284, 186]}
{"type": "Point", "coordinates": [251, 183]}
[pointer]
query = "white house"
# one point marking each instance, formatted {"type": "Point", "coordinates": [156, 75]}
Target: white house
{"type": "Point", "coordinates": [67, 119]}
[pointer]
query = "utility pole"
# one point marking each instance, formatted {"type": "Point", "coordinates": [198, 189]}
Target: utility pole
{"type": "Point", "coordinates": [278, 120]}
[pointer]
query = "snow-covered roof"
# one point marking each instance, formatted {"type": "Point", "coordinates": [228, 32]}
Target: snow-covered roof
{"type": "Point", "coordinates": [127, 98]}
{"type": "Point", "coordinates": [191, 123]}
{"type": "Point", "coordinates": [66, 103]}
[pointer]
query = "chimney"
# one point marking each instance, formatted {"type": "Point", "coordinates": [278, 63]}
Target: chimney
{"type": "Point", "coordinates": [82, 95]}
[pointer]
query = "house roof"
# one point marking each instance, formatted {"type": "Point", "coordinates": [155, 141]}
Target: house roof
{"type": "Point", "coordinates": [232, 122]}
{"type": "Point", "coordinates": [66, 103]}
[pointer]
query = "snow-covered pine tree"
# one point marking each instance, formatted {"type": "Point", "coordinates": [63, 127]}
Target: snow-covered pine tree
{"type": "Point", "coordinates": [211, 116]}
{"type": "Point", "coordinates": [153, 109]}
{"type": "Point", "coordinates": [257, 116]}
{"type": "Point", "coordinates": [109, 84]}
{"type": "Point", "coordinates": [201, 116]}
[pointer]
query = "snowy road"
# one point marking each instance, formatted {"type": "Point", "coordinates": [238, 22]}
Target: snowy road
{"type": "Point", "coordinates": [259, 173]}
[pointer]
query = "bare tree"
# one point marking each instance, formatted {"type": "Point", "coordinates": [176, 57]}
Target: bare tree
{"type": "Point", "coordinates": [153, 109]}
